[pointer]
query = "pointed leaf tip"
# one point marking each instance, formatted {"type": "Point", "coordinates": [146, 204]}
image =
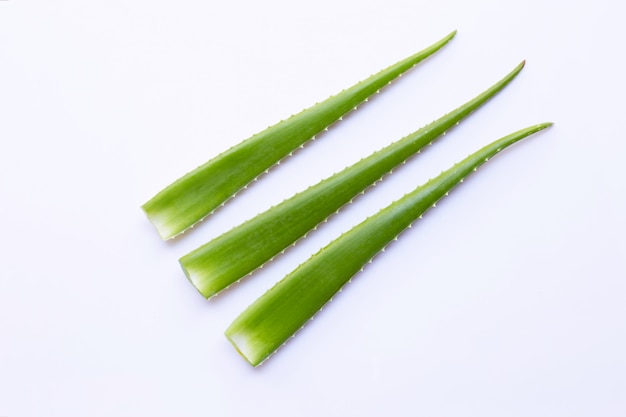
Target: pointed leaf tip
{"type": "Point", "coordinates": [542, 126]}
{"type": "Point", "coordinates": [448, 37]}
{"type": "Point", "coordinates": [520, 67]}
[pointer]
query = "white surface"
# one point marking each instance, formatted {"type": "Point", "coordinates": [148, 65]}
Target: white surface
{"type": "Point", "coordinates": [508, 299]}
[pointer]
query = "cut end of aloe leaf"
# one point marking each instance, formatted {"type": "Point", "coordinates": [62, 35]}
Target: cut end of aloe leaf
{"type": "Point", "coordinates": [245, 346]}
{"type": "Point", "coordinates": [198, 278]}
{"type": "Point", "coordinates": [159, 220]}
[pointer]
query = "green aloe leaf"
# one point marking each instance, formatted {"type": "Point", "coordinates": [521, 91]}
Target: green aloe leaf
{"type": "Point", "coordinates": [231, 256]}
{"type": "Point", "coordinates": [273, 318]}
{"type": "Point", "coordinates": [195, 195]}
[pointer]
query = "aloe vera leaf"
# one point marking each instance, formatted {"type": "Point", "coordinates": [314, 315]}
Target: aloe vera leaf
{"type": "Point", "coordinates": [234, 254]}
{"type": "Point", "coordinates": [277, 315]}
{"type": "Point", "coordinates": [195, 195]}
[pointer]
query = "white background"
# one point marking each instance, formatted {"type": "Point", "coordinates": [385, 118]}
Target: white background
{"type": "Point", "coordinates": [509, 299]}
